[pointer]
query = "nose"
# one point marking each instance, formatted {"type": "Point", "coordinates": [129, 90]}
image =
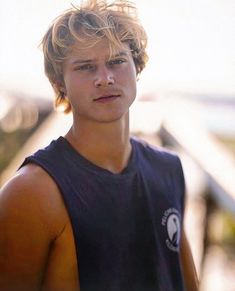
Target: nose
{"type": "Point", "coordinates": [104, 77]}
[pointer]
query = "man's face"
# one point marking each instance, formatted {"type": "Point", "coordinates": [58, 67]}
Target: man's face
{"type": "Point", "coordinates": [99, 88]}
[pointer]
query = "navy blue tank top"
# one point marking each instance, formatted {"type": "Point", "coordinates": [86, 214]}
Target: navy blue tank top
{"type": "Point", "coordinates": [126, 226]}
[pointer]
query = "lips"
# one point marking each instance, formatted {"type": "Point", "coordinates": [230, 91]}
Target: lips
{"type": "Point", "coordinates": [107, 97]}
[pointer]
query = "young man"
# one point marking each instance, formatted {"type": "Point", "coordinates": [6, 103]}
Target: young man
{"type": "Point", "coordinates": [96, 210]}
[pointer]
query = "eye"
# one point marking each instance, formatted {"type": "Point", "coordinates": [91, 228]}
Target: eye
{"type": "Point", "coordinates": [85, 67]}
{"type": "Point", "coordinates": [116, 62]}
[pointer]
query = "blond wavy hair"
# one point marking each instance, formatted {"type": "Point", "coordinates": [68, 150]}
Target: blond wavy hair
{"type": "Point", "coordinates": [92, 20]}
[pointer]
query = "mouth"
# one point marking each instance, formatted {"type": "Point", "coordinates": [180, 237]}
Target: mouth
{"type": "Point", "coordinates": [106, 98]}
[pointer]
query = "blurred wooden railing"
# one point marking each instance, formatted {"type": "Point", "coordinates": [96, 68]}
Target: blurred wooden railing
{"type": "Point", "coordinates": [183, 125]}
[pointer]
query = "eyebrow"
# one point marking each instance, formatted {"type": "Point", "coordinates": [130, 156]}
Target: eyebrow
{"type": "Point", "coordinates": [81, 61]}
{"type": "Point", "coordinates": [122, 53]}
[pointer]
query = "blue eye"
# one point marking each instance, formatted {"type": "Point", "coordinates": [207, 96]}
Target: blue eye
{"type": "Point", "coordinates": [116, 62]}
{"type": "Point", "coordinates": [86, 67]}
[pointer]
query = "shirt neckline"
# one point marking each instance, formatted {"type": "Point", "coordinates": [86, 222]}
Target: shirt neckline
{"type": "Point", "coordinates": [81, 161]}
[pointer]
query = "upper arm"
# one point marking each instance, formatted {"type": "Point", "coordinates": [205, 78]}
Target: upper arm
{"type": "Point", "coordinates": [25, 234]}
{"type": "Point", "coordinates": [188, 267]}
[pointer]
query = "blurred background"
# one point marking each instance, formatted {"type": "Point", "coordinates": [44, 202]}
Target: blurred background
{"type": "Point", "coordinates": [185, 102]}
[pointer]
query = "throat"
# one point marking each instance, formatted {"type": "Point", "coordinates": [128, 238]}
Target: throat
{"type": "Point", "coordinates": [116, 166]}
{"type": "Point", "coordinates": [114, 159]}
{"type": "Point", "coordinates": [112, 155]}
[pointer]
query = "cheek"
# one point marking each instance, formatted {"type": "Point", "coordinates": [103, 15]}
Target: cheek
{"type": "Point", "coordinates": [133, 73]}
{"type": "Point", "coordinates": [128, 75]}
{"type": "Point", "coordinates": [75, 85]}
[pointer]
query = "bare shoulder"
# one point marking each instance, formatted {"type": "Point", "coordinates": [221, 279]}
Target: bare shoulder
{"type": "Point", "coordinates": [32, 217]}
{"type": "Point", "coordinates": [33, 193]}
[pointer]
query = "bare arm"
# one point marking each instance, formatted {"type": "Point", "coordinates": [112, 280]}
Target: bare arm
{"type": "Point", "coordinates": [25, 234]}
{"type": "Point", "coordinates": [189, 271]}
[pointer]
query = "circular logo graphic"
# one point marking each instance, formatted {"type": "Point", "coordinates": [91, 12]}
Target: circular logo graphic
{"type": "Point", "coordinates": [171, 220]}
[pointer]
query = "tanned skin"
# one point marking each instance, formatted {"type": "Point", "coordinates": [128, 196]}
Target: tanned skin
{"type": "Point", "coordinates": [36, 241]}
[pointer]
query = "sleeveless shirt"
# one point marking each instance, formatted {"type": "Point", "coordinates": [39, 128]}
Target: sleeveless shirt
{"type": "Point", "coordinates": [126, 226]}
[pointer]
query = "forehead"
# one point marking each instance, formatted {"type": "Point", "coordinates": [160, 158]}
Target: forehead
{"type": "Point", "coordinates": [91, 49]}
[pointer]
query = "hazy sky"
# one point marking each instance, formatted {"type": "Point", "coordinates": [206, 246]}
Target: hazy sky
{"type": "Point", "coordinates": [191, 44]}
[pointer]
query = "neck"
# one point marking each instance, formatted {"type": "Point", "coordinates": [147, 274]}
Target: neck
{"type": "Point", "coordinates": [104, 144]}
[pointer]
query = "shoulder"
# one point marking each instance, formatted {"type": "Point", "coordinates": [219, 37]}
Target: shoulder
{"type": "Point", "coordinates": [49, 152]}
{"type": "Point", "coordinates": [32, 219]}
{"type": "Point", "coordinates": [52, 158]}
{"type": "Point", "coordinates": [31, 195]}
{"type": "Point", "coordinates": [160, 155]}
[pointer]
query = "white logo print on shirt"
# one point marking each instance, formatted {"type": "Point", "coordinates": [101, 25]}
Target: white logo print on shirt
{"type": "Point", "coordinates": [171, 220]}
